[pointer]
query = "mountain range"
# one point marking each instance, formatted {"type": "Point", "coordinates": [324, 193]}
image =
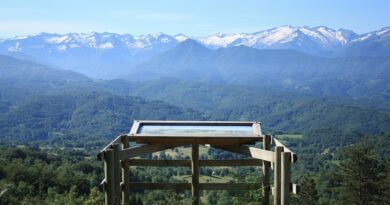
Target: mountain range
{"type": "Point", "coordinates": [110, 55]}
{"type": "Point", "coordinates": [318, 60]}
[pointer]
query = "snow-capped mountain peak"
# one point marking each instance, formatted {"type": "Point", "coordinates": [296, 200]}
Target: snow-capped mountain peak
{"type": "Point", "coordinates": [384, 32]}
{"type": "Point", "coordinates": [317, 38]}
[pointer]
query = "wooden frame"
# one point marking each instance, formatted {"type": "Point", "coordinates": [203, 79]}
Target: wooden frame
{"type": "Point", "coordinates": [117, 160]}
{"type": "Point", "coordinates": [137, 137]}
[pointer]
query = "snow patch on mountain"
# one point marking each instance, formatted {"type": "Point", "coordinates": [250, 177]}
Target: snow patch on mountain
{"type": "Point", "coordinates": [383, 31]}
{"type": "Point", "coordinates": [15, 48]}
{"type": "Point", "coordinates": [105, 46]}
{"type": "Point", "coordinates": [62, 47]}
{"type": "Point", "coordinates": [180, 37]}
{"type": "Point", "coordinates": [219, 40]}
{"type": "Point", "coordinates": [57, 40]}
{"type": "Point", "coordinates": [282, 34]}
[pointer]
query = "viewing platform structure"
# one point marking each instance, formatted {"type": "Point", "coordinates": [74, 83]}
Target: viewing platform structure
{"type": "Point", "coordinates": [232, 136]}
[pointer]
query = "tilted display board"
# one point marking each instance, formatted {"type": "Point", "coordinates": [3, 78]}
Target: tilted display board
{"type": "Point", "coordinates": [201, 132]}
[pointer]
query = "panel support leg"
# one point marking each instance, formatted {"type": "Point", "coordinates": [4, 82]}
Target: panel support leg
{"type": "Point", "coordinates": [286, 177]}
{"type": "Point", "coordinates": [125, 173]}
{"type": "Point", "coordinates": [277, 174]}
{"type": "Point", "coordinates": [109, 186]}
{"type": "Point", "coordinates": [266, 172]}
{"type": "Point", "coordinates": [116, 173]}
{"type": "Point", "coordinates": [195, 174]}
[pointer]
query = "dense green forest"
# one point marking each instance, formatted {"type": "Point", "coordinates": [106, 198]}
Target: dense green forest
{"type": "Point", "coordinates": [53, 122]}
{"type": "Point", "coordinates": [37, 174]}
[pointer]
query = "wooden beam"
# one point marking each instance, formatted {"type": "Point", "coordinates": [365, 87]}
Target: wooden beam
{"type": "Point", "coordinates": [162, 186]}
{"type": "Point", "coordinates": [294, 157]}
{"type": "Point", "coordinates": [266, 171]}
{"type": "Point", "coordinates": [195, 174]}
{"type": "Point", "coordinates": [116, 172]}
{"type": "Point", "coordinates": [232, 162]}
{"type": "Point", "coordinates": [285, 177]}
{"type": "Point", "coordinates": [109, 188]}
{"type": "Point", "coordinates": [277, 175]}
{"type": "Point", "coordinates": [229, 186]}
{"type": "Point", "coordinates": [103, 185]}
{"type": "Point", "coordinates": [160, 163]}
{"type": "Point", "coordinates": [187, 163]}
{"type": "Point", "coordinates": [117, 140]}
{"type": "Point", "coordinates": [295, 189]}
{"type": "Point", "coordinates": [249, 151]}
{"type": "Point", "coordinates": [142, 150]}
{"type": "Point", "coordinates": [187, 186]}
{"type": "Point", "coordinates": [125, 173]}
{"type": "Point", "coordinates": [212, 140]}
{"type": "Point", "coordinates": [134, 128]}
{"type": "Point", "coordinates": [256, 128]}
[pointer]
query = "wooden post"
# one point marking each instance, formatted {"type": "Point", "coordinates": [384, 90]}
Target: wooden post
{"type": "Point", "coordinates": [195, 174]}
{"type": "Point", "coordinates": [109, 189]}
{"type": "Point", "coordinates": [286, 177]}
{"type": "Point", "coordinates": [125, 173]}
{"type": "Point", "coordinates": [277, 174]}
{"type": "Point", "coordinates": [116, 173]}
{"type": "Point", "coordinates": [266, 171]}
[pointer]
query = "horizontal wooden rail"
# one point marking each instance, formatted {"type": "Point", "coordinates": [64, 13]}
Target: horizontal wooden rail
{"type": "Point", "coordinates": [249, 151]}
{"type": "Point", "coordinates": [232, 162]}
{"type": "Point", "coordinates": [187, 163]}
{"type": "Point", "coordinates": [162, 186]}
{"type": "Point", "coordinates": [142, 150]}
{"type": "Point", "coordinates": [187, 186]}
{"type": "Point", "coordinates": [229, 186]}
{"type": "Point", "coordinates": [294, 157]}
{"type": "Point", "coordinates": [159, 162]}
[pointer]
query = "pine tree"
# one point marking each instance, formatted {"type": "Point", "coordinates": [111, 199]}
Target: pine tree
{"type": "Point", "coordinates": [385, 193]}
{"type": "Point", "coordinates": [308, 194]}
{"type": "Point", "coordinates": [359, 172]}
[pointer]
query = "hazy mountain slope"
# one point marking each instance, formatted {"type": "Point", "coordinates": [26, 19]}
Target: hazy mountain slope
{"type": "Point", "coordinates": [288, 69]}
{"type": "Point", "coordinates": [372, 44]}
{"type": "Point", "coordinates": [348, 76]}
{"type": "Point", "coordinates": [188, 60]}
{"type": "Point", "coordinates": [276, 109]}
{"type": "Point", "coordinates": [21, 79]}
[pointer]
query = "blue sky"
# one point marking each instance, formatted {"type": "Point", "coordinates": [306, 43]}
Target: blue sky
{"type": "Point", "coordinates": [194, 18]}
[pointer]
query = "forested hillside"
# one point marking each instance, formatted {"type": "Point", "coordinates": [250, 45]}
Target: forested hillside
{"type": "Point", "coordinates": [82, 114]}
